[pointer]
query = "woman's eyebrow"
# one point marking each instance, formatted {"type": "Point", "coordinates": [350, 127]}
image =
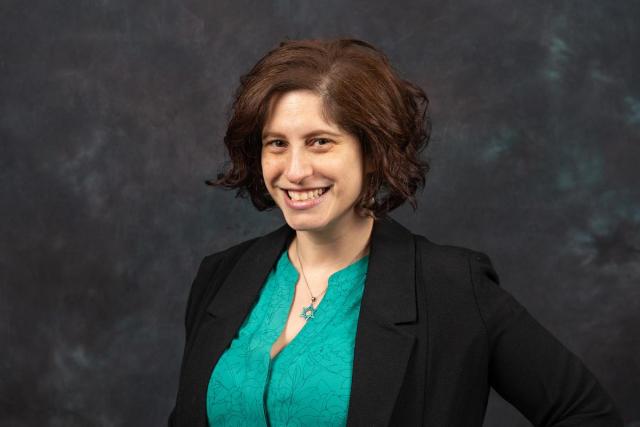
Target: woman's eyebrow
{"type": "Point", "coordinates": [308, 135]}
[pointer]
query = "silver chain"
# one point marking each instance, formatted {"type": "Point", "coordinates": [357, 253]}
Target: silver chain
{"type": "Point", "coordinates": [313, 299]}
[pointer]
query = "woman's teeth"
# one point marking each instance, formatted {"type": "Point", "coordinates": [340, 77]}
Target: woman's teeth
{"type": "Point", "coordinates": [306, 195]}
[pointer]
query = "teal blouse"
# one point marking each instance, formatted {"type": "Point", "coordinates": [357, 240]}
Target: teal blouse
{"type": "Point", "coordinates": [309, 380]}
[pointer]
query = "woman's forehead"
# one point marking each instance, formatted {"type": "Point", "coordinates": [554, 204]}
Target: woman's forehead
{"type": "Point", "coordinates": [298, 112]}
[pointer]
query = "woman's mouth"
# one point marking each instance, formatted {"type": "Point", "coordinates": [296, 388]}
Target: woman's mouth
{"type": "Point", "coordinates": [305, 199]}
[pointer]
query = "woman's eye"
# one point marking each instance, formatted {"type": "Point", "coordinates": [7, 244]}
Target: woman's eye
{"type": "Point", "coordinates": [326, 141]}
{"type": "Point", "coordinates": [278, 143]}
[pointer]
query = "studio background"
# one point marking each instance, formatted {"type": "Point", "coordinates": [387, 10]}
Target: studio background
{"type": "Point", "coordinates": [112, 117]}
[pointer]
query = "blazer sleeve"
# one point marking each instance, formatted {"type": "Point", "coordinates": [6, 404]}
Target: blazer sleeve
{"type": "Point", "coordinates": [529, 367]}
{"type": "Point", "coordinates": [208, 267]}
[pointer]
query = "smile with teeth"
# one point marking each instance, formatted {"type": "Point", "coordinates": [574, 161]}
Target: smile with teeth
{"type": "Point", "coordinates": [306, 195]}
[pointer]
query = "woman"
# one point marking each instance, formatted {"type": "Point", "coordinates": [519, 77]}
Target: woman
{"type": "Point", "coordinates": [342, 316]}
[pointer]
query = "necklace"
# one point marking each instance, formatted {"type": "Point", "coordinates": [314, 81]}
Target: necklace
{"type": "Point", "coordinates": [309, 311]}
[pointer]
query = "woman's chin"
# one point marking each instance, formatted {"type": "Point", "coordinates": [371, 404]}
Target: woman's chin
{"type": "Point", "coordinates": [300, 224]}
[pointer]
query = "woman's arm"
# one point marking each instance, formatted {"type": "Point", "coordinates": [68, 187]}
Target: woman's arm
{"type": "Point", "coordinates": [208, 266]}
{"type": "Point", "coordinates": [530, 368]}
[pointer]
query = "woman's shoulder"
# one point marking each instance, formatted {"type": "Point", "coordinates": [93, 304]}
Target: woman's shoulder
{"type": "Point", "coordinates": [459, 277]}
{"type": "Point", "coordinates": [234, 251]}
{"type": "Point", "coordinates": [231, 252]}
{"type": "Point", "coordinates": [450, 255]}
{"type": "Point", "coordinates": [217, 264]}
{"type": "Point", "coordinates": [459, 270]}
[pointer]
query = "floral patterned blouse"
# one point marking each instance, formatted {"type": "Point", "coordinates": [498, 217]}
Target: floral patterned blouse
{"type": "Point", "coordinates": [309, 381]}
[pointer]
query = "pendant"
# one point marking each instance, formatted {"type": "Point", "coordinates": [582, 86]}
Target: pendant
{"type": "Point", "coordinates": [307, 312]}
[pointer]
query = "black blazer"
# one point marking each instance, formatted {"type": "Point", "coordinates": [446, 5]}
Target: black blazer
{"type": "Point", "coordinates": [435, 332]}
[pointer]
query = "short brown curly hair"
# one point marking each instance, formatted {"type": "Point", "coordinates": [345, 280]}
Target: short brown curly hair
{"type": "Point", "coordinates": [361, 93]}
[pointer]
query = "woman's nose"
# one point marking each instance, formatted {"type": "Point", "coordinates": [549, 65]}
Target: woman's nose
{"type": "Point", "coordinates": [299, 166]}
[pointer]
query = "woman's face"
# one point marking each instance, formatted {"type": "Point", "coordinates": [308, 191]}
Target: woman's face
{"type": "Point", "coordinates": [302, 151]}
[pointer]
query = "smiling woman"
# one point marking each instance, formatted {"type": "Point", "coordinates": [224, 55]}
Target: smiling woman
{"type": "Point", "coordinates": [345, 88]}
{"type": "Point", "coordinates": [342, 316]}
{"type": "Point", "coordinates": [315, 185]}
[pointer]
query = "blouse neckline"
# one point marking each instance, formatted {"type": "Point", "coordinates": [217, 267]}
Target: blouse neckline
{"type": "Point", "coordinates": [350, 273]}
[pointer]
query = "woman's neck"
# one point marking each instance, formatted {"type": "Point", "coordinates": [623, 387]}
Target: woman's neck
{"type": "Point", "coordinates": [332, 249]}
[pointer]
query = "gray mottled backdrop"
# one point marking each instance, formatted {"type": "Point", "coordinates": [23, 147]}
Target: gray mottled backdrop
{"type": "Point", "coordinates": [112, 116]}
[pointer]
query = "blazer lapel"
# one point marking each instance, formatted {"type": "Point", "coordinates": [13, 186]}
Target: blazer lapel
{"type": "Point", "coordinates": [382, 347]}
{"type": "Point", "coordinates": [223, 317]}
